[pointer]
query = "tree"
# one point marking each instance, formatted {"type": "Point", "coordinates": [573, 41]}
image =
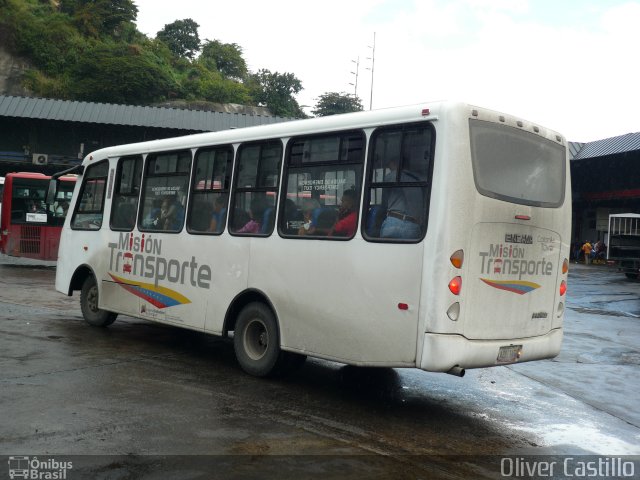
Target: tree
{"type": "Point", "coordinates": [275, 91]}
{"type": "Point", "coordinates": [181, 37]}
{"type": "Point", "coordinates": [100, 17]}
{"type": "Point", "coordinates": [332, 103]}
{"type": "Point", "coordinates": [201, 83]}
{"type": "Point", "coordinates": [91, 50]}
{"type": "Point", "coordinates": [117, 73]}
{"type": "Point", "coordinates": [51, 42]}
{"type": "Point", "coordinates": [226, 58]}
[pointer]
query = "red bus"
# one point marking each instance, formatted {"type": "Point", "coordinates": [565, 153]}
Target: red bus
{"type": "Point", "coordinates": [28, 226]}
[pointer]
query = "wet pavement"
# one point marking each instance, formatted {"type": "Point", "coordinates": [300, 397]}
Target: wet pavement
{"type": "Point", "coordinates": [144, 393]}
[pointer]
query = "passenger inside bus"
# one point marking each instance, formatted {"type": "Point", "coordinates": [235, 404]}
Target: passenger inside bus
{"type": "Point", "coordinates": [60, 208]}
{"type": "Point", "coordinates": [35, 206]}
{"type": "Point", "coordinates": [326, 221]}
{"type": "Point", "coordinates": [257, 210]}
{"type": "Point", "coordinates": [218, 214]}
{"type": "Point", "coordinates": [403, 205]}
{"type": "Point", "coordinates": [152, 219]}
{"type": "Point", "coordinates": [171, 214]}
{"type": "Point", "coordinates": [309, 206]}
{"type": "Point", "coordinates": [347, 215]}
{"type": "Point", "coordinates": [295, 219]}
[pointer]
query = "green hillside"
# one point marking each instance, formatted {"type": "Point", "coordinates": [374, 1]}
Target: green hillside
{"type": "Point", "coordinates": [91, 50]}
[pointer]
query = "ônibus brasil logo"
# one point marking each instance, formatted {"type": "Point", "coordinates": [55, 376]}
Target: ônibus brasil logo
{"type": "Point", "coordinates": [26, 467]}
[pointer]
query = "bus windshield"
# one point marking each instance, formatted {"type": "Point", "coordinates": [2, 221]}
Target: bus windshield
{"type": "Point", "coordinates": [29, 227]}
{"type": "Point", "coordinates": [516, 166]}
{"type": "Point", "coordinates": [28, 202]}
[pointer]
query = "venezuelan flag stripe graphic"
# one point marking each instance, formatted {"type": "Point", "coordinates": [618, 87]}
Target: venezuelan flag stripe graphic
{"type": "Point", "coordinates": [516, 286]}
{"type": "Point", "coordinates": [159, 297]}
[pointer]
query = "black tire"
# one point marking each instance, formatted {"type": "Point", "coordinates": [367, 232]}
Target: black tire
{"type": "Point", "coordinates": [89, 296]}
{"type": "Point", "coordinates": [256, 341]}
{"type": "Point", "coordinates": [632, 276]}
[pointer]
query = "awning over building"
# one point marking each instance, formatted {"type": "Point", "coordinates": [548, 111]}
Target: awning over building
{"type": "Point", "coordinates": [110, 114]}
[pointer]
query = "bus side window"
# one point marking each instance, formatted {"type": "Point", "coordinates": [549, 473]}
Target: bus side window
{"type": "Point", "coordinates": [166, 182]}
{"type": "Point", "coordinates": [125, 198]}
{"type": "Point", "coordinates": [256, 188]}
{"type": "Point", "coordinates": [210, 190]}
{"type": "Point", "coordinates": [398, 183]}
{"type": "Point", "coordinates": [90, 207]}
{"type": "Point", "coordinates": [323, 181]}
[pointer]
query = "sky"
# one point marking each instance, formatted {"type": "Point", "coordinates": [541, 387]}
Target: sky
{"type": "Point", "coordinates": [568, 65]}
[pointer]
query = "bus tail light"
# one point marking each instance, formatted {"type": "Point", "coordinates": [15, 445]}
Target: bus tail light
{"type": "Point", "coordinates": [563, 288]}
{"type": "Point", "coordinates": [565, 266]}
{"type": "Point", "coordinates": [454, 311]}
{"type": "Point", "coordinates": [457, 259]}
{"type": "Point", "coordinates": [455, 285]}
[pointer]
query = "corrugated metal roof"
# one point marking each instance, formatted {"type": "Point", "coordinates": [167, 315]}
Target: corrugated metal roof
{"type": "Point", "coordinates": [574, 148]}
{"type": "Point", "coordinates": [609, 146]}
{"type": "Point", "coordinates": [106, 113]}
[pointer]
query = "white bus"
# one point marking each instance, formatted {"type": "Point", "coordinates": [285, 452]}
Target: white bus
{"type": "Point", "coordinates": [432, 236]}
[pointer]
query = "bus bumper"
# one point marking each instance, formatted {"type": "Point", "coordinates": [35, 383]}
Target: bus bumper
{"type": "Point", "coordinates": [442, 352]}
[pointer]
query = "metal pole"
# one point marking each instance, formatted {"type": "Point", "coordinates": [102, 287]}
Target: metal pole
{"type": "Point", "coordinates": [373, 63]}
{"type": "Point", "coordinates": [356, 73]}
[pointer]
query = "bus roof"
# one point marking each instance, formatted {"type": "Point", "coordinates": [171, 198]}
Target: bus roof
{"type": "Point", "coordinates": [367, 119]}
{"type": "Point", "coordinates": [37, 176]}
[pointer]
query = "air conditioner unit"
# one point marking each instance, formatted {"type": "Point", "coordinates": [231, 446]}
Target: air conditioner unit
{"type": "Point", "coordinates": [40, 158]}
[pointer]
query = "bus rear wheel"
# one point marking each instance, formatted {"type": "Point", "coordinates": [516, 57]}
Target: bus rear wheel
{"type": "Point", "coordinates": [256, 341]}
{"type": "Point", "coordinates": [89, 297]}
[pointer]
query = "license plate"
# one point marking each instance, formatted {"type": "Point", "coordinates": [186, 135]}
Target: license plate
{"type": "Point", "coordinates": [509, 353]}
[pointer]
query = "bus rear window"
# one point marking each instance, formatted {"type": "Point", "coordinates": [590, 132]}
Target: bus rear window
{"type": "Point", "coordinates": [517, 166]}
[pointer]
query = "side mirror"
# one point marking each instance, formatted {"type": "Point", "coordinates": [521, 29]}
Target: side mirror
{"type": "Point", "coordinates": [51, 192]}
{"type": "Point", "coordinates": [53, 183]}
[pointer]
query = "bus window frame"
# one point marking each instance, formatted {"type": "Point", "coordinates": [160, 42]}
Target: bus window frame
{"type": "Point", "coordinates": [143, 188]}
{"type": "Point", "coordinates": [427, 184]}
{"type": "Point", "coordinates": [226, 190]}
{"type": "Point", "coordinates": [116, 191]}
{"type": "Point", "coordinates": [235, 190]}
{"type": "Point", "coordinates": [85, 179]}
{"type": "Point", "coordinates": [331, 163]}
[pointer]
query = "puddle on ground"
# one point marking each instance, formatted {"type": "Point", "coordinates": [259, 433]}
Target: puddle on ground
{"type": "Point", "coordinates": [584, 437]}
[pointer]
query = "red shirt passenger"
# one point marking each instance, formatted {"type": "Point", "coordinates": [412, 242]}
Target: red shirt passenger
{"type": "Point", "coordinates": [348, 216]}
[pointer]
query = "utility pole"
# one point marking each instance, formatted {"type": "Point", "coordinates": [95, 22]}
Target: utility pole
{"type": "Point", "coordinates": [373, 63]}
{"type": "Point", "coordinates": [356, 73]}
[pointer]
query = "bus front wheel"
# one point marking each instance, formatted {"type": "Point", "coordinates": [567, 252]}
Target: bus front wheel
{"type": "Point", "coordinates": [89, 296]}
{"type": "Point", "coordinates": [256, 341]}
